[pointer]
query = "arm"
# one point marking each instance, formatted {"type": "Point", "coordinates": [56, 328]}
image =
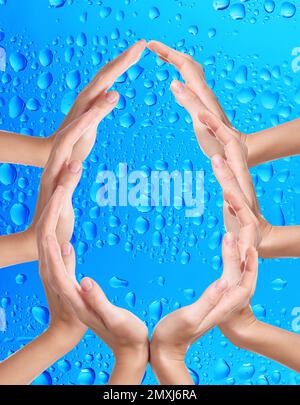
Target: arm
{"type": "Point", "coordinates": [274, 143]}
{"type": "Point", "coordinates": [196, 97]}
{"type": "Point", "coordinates": [269, 341]}
{"type": "Point", "coordinates": [26, 364]}
{"type": "Point", "coordinates": [18, 248]}
{"type": "Point", "coordinates": [34, 151]}
{"type": "Point", "coordinates": [122, 331]}
{"type": "Point", "coordinates": [281, 241]}
{"type": "Point", "coordinates": [23, 149]}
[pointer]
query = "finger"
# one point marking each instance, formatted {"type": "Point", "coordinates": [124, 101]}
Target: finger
{"type": "Point", "coordinates": [249, 277]}
{"type": "Point", "coordinates": [70, 176]}
{"type": "Point", "coordinates": [49, 218]}
{"type": "Point", "coordinates": [192, 103]}
{"type": "Point", "coordinates": [225, 176]}
{"type": "Point", "coordinates": [222, 132]}
{"type": "Point", "coordinates": [231, 259]}
{"type": "Point", "coordinates": [249, 230]}
{"type": "Point", "coordinates": [105, 78]}
{"type": "Point", "coordinates": [65, 141]}
{"type": "Point", "coordinates": [210, 298]}
{"type": "Point", "coordinates": [189, 100]}
{"type": "Point", "coordinates": [69, 258]}
{"type": "Point", "coordinates": [234, 151]}
{"type": "Point", "coordinates": [193, 74]}
{"type": "Point", "coordinates": [94, 297]}
{"type": "Point", "coordinates": [61, 282]}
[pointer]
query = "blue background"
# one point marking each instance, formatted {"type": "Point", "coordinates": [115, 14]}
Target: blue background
{"type": "Point", "coordinates": [246, 50]}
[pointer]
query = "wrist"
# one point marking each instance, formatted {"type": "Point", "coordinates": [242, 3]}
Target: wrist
{"type": "Point", "coordinates": [241, 328]}
{"type": "Point", "coordinates": [63, 337]}
{"type": "Point", "coordinates": [45, 150]}
{"type": "Point", "coordinates": [169, 367]}
{"type": "Point", "coordinates": [130, 366]}
{"type": "Point", "coordinates": [29, 244]}
{"type": "Point", "coordinates": [266, 246]}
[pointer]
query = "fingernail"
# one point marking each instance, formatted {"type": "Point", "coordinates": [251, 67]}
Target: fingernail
{"type": "Point", "coordinates": [111, 97]}
{"type": "Point", "coordinates": [75, 166]}
{"type": "Point", "coordinates": [86, 284]}
{"type": "Point", "coordinates": [231, 210]}
{"type": "Point", "coordinates": [177, 86]}
{"type": "Point", "coordinates": [66, 249]}
{"type": "Point", "coordinates": [218, 161]}
{"type": "Point", "coordinates": [229, 238]}
{"type": "Point", "coordinates": [221, 285]}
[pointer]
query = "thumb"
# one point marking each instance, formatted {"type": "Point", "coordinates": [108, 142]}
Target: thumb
{"type": "Point", "coordinates": [70, 175]}
{"type": "Point", "coordinates": [93, 295]}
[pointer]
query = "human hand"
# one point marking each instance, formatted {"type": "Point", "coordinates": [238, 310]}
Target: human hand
{"type": "Point", "coordinates": [63, 320]}
{"type": "Point", "coordinates": [195, 96]}
{"type": "Point", "coordinates": [234, 178]}
{"type": "Point", "coordinates": [94, 91]}
{"type": "Point", "coordinates": [122, 331]}
{"type": "Point", "coordinates": [178, 330]}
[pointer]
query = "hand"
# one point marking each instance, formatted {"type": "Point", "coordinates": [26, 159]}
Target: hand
{"type": "Point", "coordinates": [178, 330]}
{"type": "Point", "coordinates": [90, 95]}
{"type": "Point", "coordinates": [122, 331]}
{"type": "Point", "coordinates": [234, 178]}
{"type": "Point", "coordinates": [195, 96]}
{"type": "Point", "coordinates": [61, 167]}
{"type": "Point", "coordinates": [63, 320]}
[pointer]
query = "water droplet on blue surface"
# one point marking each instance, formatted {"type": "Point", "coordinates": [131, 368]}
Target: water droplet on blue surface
{"type": "Point", "coordinates": [222, 369]}
{"type": "Point", "coordinates": [154, 13]}
{"type": "Point", "coordinates": [41, 314]}
{"type": "Point", "coordinates": [155, 311]}
{"type": "Point", "coordinates": [43, 379]}
{"type": "Point", "coordinates": [19, 214]}
{"type": "Point", "coordinates": [141, 225]}
{"type": "Point", "coordinates": [73, 79]}
{"type": "Point", "coordinates": [18, 61]}
{"type": "Point", "coordinates": [15, 107]}
{"type": "Point", "coordinates": [8, 174]}
{"type": "Point", "coordinates": [279, 284]}
{"type": "Point", "coordinates": [221, 4]}
{"type": "Point", "coordinates": [237, 11]}
{"type": "Point", "coordinates": [127, 120]}
{"type": "Point", "coordinates": [117, 282]}
{"type": "Point", "coordinates": [288, 9]}
{"type": "Point", "coordinates": [86, 376]}
{"type": "Point", "coordinates": [57, 3]}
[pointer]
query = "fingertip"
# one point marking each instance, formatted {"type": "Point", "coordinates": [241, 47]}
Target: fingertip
{"type": "Point", "coordinates": [86, 284]}
{"type": "Point", "coordinates": [218, 161]}
{"type": "Point", "coordinates": [177, 86]}
{"type": "Point", "coordinates": [66, 249]}
{"type": "Point", "coordinates": [75, 166]}
{"type": "Point", "coordinates": [221, 285]}
{"type": "Point", "coordinates": [112, 97]}
{"type": "Point", "coordinates": [229, 239]}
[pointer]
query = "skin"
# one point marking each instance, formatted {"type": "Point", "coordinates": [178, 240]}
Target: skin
{"type": "Point", "coordinates": [178, 330]}
{"type": "Point", "coordinates": [122, 331]}
{"type": "Point", "coordinates": [34, 151]}
{"type": "Point", "coordinates": [217, 138]}
{"type": "Point", "coordinates": [64, 331]}
{"type": "Point", "coordinates": [93, 104]}
{"type": "Point", "coordinates": [195, 96]}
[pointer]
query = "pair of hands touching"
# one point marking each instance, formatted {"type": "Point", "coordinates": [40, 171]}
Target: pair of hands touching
{"type": "Point", "coordinates": [74, 307]}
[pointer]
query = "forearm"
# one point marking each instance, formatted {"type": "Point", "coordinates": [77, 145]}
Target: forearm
{"type": "Point", "coordinates": [29, 362]}
{"type": "Point", "coordinates": [272, 342]}
{"type": "Point", "coordinates": [274, 143]}
{"type": "Point", "coordinates": [129, 368]}
{"type": "Point", "coordinates": [18, 248]}
{"type": "Point", "coordinates": [281, 241]}
{"type": "Point", "coordinates": [23, 149]}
